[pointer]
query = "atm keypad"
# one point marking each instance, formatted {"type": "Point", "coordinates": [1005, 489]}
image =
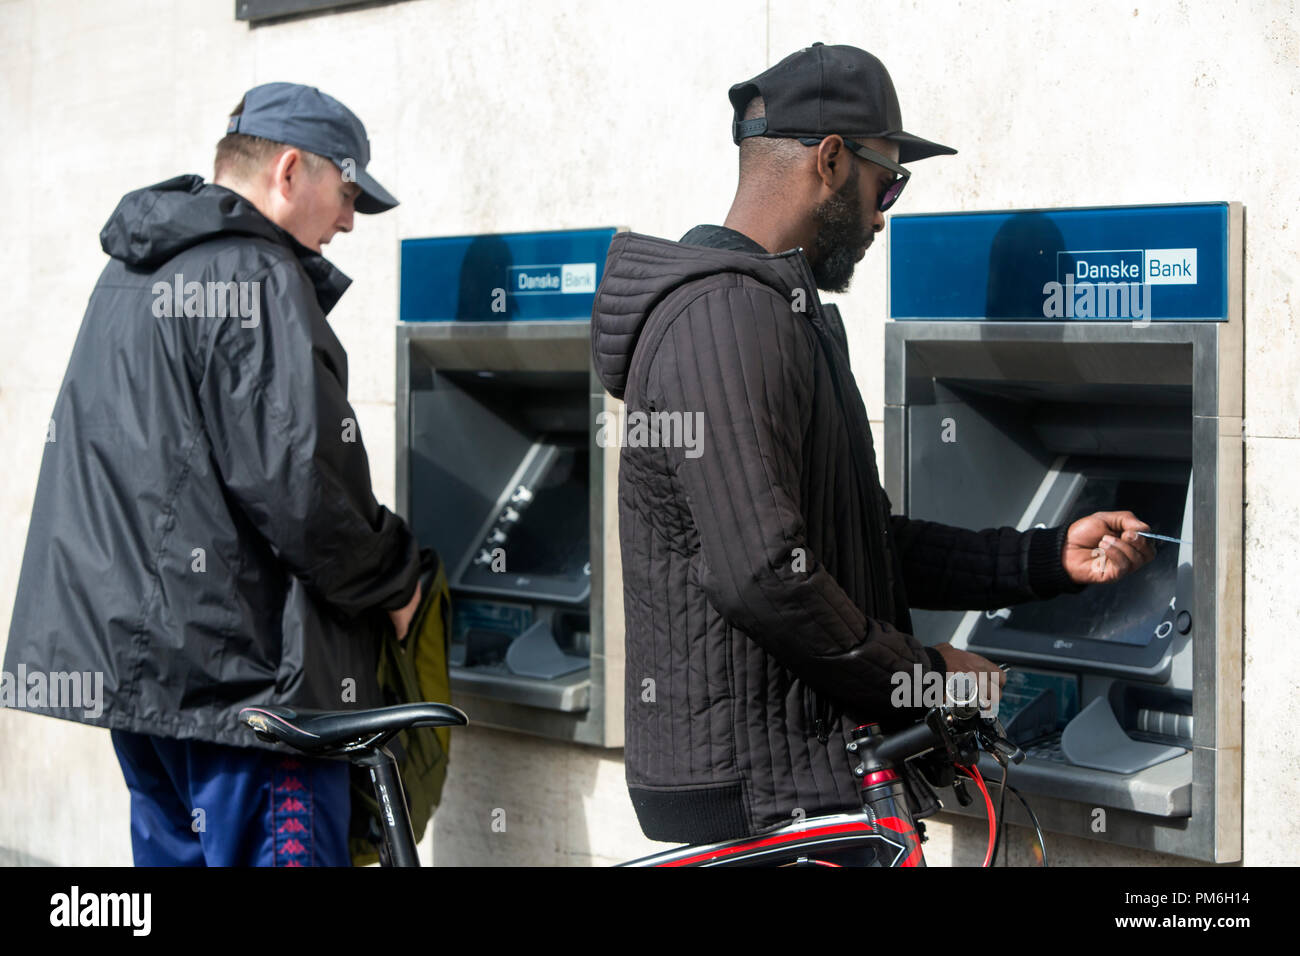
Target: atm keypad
{"type": "Point", "coordinates": [519, 499]}
{"type": "Point", "coordinates": [1046, 748]}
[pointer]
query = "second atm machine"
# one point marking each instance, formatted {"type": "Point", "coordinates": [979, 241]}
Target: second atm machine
{"type": "Point", "coordinates": [498, 469]}
{"type": "Point", "coordinates": [1043, 365]}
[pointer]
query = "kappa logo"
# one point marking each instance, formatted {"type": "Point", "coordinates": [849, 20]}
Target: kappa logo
{"type": "Point", "coordinates": [293, 814]}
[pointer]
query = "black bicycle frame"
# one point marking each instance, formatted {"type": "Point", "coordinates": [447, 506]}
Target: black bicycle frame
{"type": "Point", "coordinates": [399, 840]}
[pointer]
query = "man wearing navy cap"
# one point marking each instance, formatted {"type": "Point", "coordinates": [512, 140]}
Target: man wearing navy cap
{"type": "Point", "coordinates": [204, 535]}
{"type": "Point", "coordinates": [765, 580]}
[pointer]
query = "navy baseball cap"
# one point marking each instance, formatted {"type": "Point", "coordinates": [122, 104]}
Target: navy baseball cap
{"type": "Point", "coordinates": [821, 90]}
{"type": "Point", "coordinates": [305, 117]}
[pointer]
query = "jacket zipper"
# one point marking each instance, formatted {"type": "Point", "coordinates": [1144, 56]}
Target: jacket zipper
{"type": "Point", "coordinates": [821, 712]}
{"type": "Point", "coordinates": [880, 598]}
{"type": "Point", "coordinates": [814, 714]}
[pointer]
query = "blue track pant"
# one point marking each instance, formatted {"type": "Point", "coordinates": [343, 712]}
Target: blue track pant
{"type": "Point", "coordinates": [195, 803]}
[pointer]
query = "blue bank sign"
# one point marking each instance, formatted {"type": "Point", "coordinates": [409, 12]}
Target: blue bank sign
{"type": "Point", "coordinates": [503, 277]}
{"type": "Point", "coordinates": [1125, 263]}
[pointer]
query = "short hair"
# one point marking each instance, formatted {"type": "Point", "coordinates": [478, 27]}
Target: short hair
{"type": "Point", "coordinates": [242, 157]}
{"type": "Point", "coordinates": [765, 157]}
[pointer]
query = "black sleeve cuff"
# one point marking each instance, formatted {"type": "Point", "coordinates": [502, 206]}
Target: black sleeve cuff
{"type": "Point", "coordinates": [409, 580]}
{"type": "Point", "coordinates": [936, 660]}
{"type": "Point", "coordinates": [1047, 574]}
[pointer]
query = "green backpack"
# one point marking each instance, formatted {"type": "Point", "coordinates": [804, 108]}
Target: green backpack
{"type": "Point", "coordinates": [411, 670]}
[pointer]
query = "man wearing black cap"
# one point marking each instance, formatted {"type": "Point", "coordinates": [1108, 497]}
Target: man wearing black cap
{"type": "Point", "coordinates": [766, 584]}
{"type": "Point", "coordinates": [204, 535]}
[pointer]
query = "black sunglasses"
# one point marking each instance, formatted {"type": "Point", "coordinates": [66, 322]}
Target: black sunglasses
{"type": "Point", "coordinates": [887, 196]}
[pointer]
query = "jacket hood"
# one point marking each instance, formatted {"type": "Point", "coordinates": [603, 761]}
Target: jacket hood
{"type": "Point", "coordinates": [152, 225]}
{"type": "Point", "coordinates": [640, 271]}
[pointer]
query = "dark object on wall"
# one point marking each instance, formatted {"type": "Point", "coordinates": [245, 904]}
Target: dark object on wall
{"type": "Point", "coordinates": [257, 12]}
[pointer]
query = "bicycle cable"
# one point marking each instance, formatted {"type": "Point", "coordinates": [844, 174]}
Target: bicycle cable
{"type": "Point", "coordinates": [1037, 829]}
{"type": "Point", "coordinates": [974, 773]}
{"type": "Point", "coordinates": [1002, 817]}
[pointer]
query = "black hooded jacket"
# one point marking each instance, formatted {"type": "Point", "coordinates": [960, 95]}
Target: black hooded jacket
{"type": "Point", "coordinates": [204, 534]}
{"type": "Point", "coordinates": [766, 584]}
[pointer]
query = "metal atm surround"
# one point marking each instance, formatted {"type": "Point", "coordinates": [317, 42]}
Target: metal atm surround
{"type": "Point", "coordinates": [585, 706]}
{"type": "Point", "coordinates": [1191, 805]}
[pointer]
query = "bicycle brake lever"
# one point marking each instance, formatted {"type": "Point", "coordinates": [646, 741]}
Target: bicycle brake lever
{"type": "Point", "coordinates": [1007, 749]}
{"type": "Point", "coordinates": [995, 740]}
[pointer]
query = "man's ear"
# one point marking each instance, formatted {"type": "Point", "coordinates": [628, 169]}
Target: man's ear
{"type": "Point", "coordinates": [832, 162]}
{"type": "Point", "coordinates": [286, 173]}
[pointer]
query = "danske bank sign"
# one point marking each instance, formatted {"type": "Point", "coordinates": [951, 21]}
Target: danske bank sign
{"type": "Point", "coordinates": [1114, 283]}
{"type": "Point", "coordinates": [568, 277]}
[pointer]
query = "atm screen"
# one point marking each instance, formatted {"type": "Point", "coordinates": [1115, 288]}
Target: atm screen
{"type": "Point", "coordinates": [538, 545]}
{"type": "Point", "coordinates": [1124, 611]}
{"type": "Point", "coordinates": [552, 536]}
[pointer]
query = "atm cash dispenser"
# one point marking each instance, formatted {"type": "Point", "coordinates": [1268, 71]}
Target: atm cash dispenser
{"type": "Point", "coordinates": [1042, 365]}
{"type": "Point", "coordinates": [499, 470]}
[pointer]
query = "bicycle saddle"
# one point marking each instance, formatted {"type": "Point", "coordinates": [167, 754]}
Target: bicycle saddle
{"type": "Point", "coordinates": [317, 731]}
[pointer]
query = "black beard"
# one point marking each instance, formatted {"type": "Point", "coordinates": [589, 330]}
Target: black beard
{"type": "Point", "coordinates": [841, 235]}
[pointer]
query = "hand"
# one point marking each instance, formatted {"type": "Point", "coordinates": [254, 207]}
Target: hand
{"type": "Point", "coordinates": [402, 619]}
{"type": "Point", "coordinates": [964, 662]}
{"type": "Point", "coordinates": [1105, 546]}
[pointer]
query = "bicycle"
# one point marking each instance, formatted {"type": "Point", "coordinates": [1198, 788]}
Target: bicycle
{"type": "Point", "coordinates": [361, 736]}
{"type": "Point", "coordinates": [884, 833]}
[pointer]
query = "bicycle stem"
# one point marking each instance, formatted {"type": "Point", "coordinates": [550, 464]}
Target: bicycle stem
{"type": "Point", "coordinates": [884, 797]}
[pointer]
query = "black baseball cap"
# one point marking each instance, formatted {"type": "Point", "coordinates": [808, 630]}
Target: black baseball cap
{"type": "Point", "coordinates": [822, 90]}
{"type": "Point", "coordinates": [305, 117]}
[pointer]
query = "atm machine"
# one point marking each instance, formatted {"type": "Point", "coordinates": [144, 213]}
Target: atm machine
{"type": "Point", "coordinates": [498, 468]}
{"type": "Point", "coordinates": [1042, 365]}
